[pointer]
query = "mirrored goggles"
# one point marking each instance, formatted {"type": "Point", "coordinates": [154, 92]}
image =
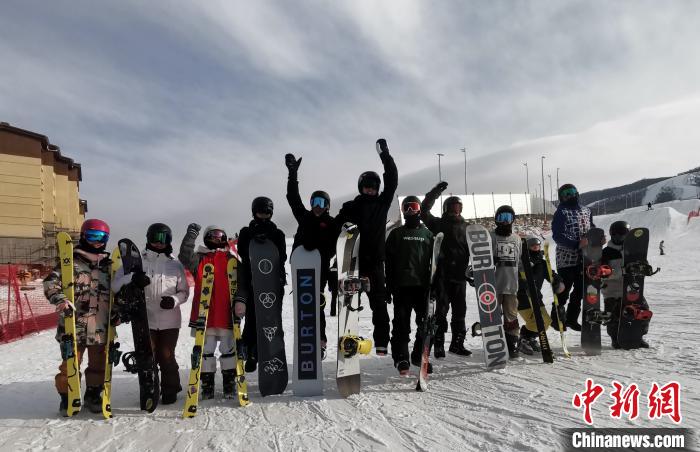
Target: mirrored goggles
{"type": "Point", "coordinates": [505, 217]}
{"type": "Point", "coordinates": [216, 235]}
{"type": "Point", "coordinates": [411, 208]}
{"type": "Point", "coordinates": [569, 192]}
{"type": "Point", "coordinates": [318, 201]}
{"type": "Point", "coordinates": [93, 235]}
{"type": "Point", "coordinates": [160, 237]}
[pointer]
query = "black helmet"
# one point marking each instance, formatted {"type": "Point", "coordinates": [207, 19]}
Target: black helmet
{"type": "Point", "coordinates": [504, 215]}
{"type": "Point", "coordinates": [450, 201]}
{"type": "Point", "coordinates": [368, 179]}
{"type": "Point", "coordinates": [533, 241]}
{"type": "Point", "coordinates": [567, 193]}
{"type": "Point", "coordinates": [159, 233]}
{"type": "Point", "coordinates": [322, 195]}
{"type": "Point", "coordinates": [618, 231]}
{"type": "Point", "coordinates": [410, 205]}
{"type": "Point", "coordinates": [262, 204]}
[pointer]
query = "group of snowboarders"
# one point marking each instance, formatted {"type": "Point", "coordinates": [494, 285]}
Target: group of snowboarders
{"type": "Point", "coordinates": [398, 268]}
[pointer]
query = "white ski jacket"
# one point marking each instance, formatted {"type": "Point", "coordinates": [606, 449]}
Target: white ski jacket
{"type": "Point", "coordinates": [167, 279]}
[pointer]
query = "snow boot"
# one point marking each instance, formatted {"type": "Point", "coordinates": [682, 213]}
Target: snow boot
{"type": "Point", "coordinates": [524, 346]}
{"type": "Point", "coordinates": [512, 342]}
{"type": "Point", "coordinates": [207, 389]}
{"type": "Point", "coordinates": [93, 399]}
{"type": "Point", "coordinates": [229, 379]}
{"type": "Point", "coordinates": [457, 344]}
{"type": "Point", "coordinates": [168, 398]}
{"type": "Point", "coordinates": [572, 313]}
{"type": "Point", "coordinates": [251, 364]}
{"type": "Point", "coordinates": [402, 367]}
{"type": "Point", "coordinates": [63, 407]}
{"type": "Point", "coordinates": [643, 344]}
{"type": "Point", "coordinates": [417, 360]}
{"type": "Point", "coordinates": [439, 345]}
{"type": "Point", "coordinates": [381, 351]}
{"type": "Point", "coordinates": [555, 315]}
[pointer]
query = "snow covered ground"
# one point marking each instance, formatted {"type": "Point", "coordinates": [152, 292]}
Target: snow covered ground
{"type": "Point", "coordinates": [522, 407]}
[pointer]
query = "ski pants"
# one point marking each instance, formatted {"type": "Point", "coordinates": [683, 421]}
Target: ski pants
{"type": "Point", "coordinates": [452, 293]}
{"type": "Point", "coordinates": [163, 343]}
{"type": "Point", "coordinates": [377, 302]}
{"type": "Point", "coordinates": [406, 301]}
{"type": "Point", "coordinates": [573, 283]}
{"type": "Point", "coordinates": [509, 306]}
{"type": "Point", "coordinates": [95, 372]}
{"type": "Point", "coordinates": [227, 349]}
{"type": "Point", "coordinates": [528, 316]}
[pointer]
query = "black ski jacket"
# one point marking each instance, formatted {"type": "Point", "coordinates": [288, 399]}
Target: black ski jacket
{"type": "Point", "coordinates": [369, 214]}
{"type": "Point", "coordinates": [313, 233]}
{"type": "Point", "coordinates": [454, 252]}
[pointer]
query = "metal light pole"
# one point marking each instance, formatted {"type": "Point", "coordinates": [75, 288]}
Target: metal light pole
{"type": "Point", "coordinates": [558, 179]}
{"type": "Point", "coordinates": [544, 208]}
{"type": "Point", "coordinates": [464, 151]}
{"type": "Point", "coordinates": [527, 178]}
{"type": "Point", "coordinates": [439, 166]}
{"type": "Point", "coordinates": [550, 188]}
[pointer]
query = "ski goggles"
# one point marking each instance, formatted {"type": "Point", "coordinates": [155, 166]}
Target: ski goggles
{"type": "Point", "coordinates": [319, 201]}
{"type": "Point", "coordinates": [216, 235]}
{"type": "Point", "coordinates": [159, 237]}
{"type": "Point", "coordinates": [412, 208]}
{"type": "Point", "coordinates": [505, 217]}
{"type": "Point", "coordinates": [569, 192]}
{"type": "Point", "coordinates": [93, 235]}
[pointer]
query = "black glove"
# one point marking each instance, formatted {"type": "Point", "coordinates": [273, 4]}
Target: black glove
{"type": "Point", "coordinates": [193, 230]}
{"type": "Point", "coordinates": [441, 186]}
{"type": "Point", "coordinates": [381, 146]}
{"type": "Point", "coordinates": [167, 302]}
{"type": "Point", "coordinates": [140, 280]}
{"type": "Point", "coordinates": [292, 164]}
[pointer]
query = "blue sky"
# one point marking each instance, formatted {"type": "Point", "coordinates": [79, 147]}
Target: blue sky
{"type": "Point", "coordinates": [183, 111]}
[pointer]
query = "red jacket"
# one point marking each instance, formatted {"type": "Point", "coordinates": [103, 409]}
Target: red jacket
{"type": "Point", "coordinates": [220, 305]}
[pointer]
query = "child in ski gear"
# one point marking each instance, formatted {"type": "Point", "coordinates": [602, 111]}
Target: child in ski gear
{"type": "Point", "coordinates": [369, 211]}
{"type": "Point", "coordinates": [220, 319]}
{"type": "Point", "coordinates": [613, 287]}
{"type": "Point", "coordinates": [91, 281]}
{"type": "Point", "coordinates": [528, 332]}
{"type": "Point", "coordinates": [506, 252]}
{"type": "Point", "coordinates": [408, 258]}
{"type": "Point", "coordinates": [570, 223]}
{"type": "Point", "coordinates": [317, 230]}
{"type": "Point", "coordinates": [260, 228]}
{"type": "Point", "coordinates": [167, 291]}
{"type": "Point", "coordinates": [451, 269]}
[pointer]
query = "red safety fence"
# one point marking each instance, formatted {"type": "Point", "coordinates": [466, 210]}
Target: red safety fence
{"type": "Point", "coordinates": [23, 307]}
{"type": "Point", "coordinates": [693, 214]}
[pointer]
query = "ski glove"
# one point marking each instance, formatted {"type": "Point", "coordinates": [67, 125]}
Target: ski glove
{"type": "Point", "coordinates": [239, 309]}
{"type": "Point", "coordinates": [292, 164]}
{"type": "Point", "coordinates": [381, 146]}
{"type": "Point", "coordinates": [193, 230]}
{"type": "Point", "coordinates": [167, 302]}
{"type": "Point", "coordinates": [140, 280]}
{"type": "Point", "coordinates": [436, 190]}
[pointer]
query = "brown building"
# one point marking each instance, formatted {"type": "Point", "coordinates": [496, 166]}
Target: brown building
{"type": "Point", "coordinates": [39, 196]}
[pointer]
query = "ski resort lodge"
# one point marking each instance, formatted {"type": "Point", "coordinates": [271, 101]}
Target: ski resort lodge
{"type": "Point", "coordinates": [39, 196]}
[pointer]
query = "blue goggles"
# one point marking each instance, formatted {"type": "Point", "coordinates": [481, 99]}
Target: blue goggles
{"type": "Point", "coordinates": [505, 217]}
{"type": "Point", "coordinates": [92, 235]}
{"type": "Point", "coordinates": [318, 201]}
{"type": "Point", "coordinates": [569, 193]}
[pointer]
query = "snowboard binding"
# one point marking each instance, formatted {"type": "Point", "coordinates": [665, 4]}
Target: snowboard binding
{"type": "Point", "coordinates": [635, 312]}
{"type": "Point", "coordinates": [598, 271]}
{"type": "Point", "coordinates": [476, 329]}
{"type": "Point", "coordinates": [596, 316]}
{"type": "Point", "coordinates": [354, 285]}
{"type": "Point", "coordinates": [640, 269]}
{"type": "Point", "coordinates": [349, 346]}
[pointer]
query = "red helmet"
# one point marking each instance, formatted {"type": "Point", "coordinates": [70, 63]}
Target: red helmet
{"type": "Point", "coordinates": [94, 225]}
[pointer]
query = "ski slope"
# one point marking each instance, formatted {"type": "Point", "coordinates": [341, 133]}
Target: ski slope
{"type": "Point", "coordinates": [521, 408]}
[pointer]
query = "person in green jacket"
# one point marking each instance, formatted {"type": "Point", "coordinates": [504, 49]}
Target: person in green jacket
{"type": "Point", "coordinates": [408, 252]}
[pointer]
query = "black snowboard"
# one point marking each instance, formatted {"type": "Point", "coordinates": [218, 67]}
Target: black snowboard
{"type": "Point", "coordinates": [590, 326]}
{"type": "Point", "coordinates": [634, 310]}
{"type": "Point", "coordinates": [268, 293]}
{"type": "Point", "coordinates": [133, 309]}
{"type": "Point", "coordinates": [535, 304]}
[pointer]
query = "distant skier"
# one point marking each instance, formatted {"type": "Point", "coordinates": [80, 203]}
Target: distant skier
{"type": "Point", "coordinates": [649, 207]}
{"type": "Point", "coordinates": [452, 269]}
{"type": "Point", "coordinates": [369, 211]}
{"type": "Point", "coordinates": [163, 299]}
{"type": "Point", "coordinates": [260, 228]}
{"type": "Point", "coordinates": [506, 251]}
{"type": "Point", "coordinates": [570, 223]}
{"type": "Point", "coordinates": [408, 251]}
{"type": "Point", "coordinates": [317, 230]}
{"type": "Point", "coordinates": [661, 248]}
{"type": "Point", "coordinates": [91, 280]}
{"type": "Point", "coordinates": [613, 287]}
{"type": "Point", "coordinates": [220, 320]}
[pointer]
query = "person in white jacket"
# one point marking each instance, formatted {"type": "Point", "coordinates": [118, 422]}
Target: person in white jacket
{"type": "Point", "coordinates": [167, 291]}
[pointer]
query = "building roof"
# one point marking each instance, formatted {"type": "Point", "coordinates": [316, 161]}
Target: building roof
{"type": "Point", "coordinates": [46, 146]}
